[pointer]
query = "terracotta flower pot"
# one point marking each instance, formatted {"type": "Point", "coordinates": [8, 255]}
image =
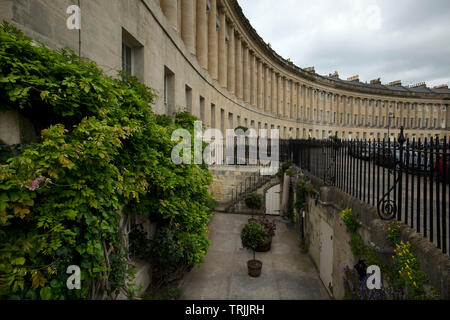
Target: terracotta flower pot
{"type": "Point", "coordinates": [266, 246]}
{"type": "Point", "coordinates": [254, 268]}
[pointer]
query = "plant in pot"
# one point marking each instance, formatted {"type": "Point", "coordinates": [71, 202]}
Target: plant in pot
{"type": "Point", "coordinates": [253, 201]}
{"type": "Point", "coordinates": [252, 236]}
{"type": "Point", "coordinates": [270, 227]}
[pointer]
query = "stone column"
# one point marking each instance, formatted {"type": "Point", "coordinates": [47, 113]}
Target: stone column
{"type": "Point", "coordinates": [293, 105]}
{"type": "Point", "coordinates": [279, 94]}
{"type": "Point", "coordinates": [258, 83]}
{"type": "Point", "coordinates": [202, 34]}
{"type": "Point", "coordinates": [212, 41]}
{"type": "Point", "coordinates": [170, 9]}
{"type": "Point", "coordinates": [273, 104]}
{"type": "Point", "coordinates": [252, 79]}
{"type": "Point", "coordinates": [239, 71]}
{"type": "Point", "coordinates": [231, 77]}
{"type": "Point", "coordinates": [222, 68]}
{"type": "Point", "coordinates": [266, 87]}
{"type": "Point", "coordinates": [245, 76]}
{"type": "Point", "coordinates": [188, 24]}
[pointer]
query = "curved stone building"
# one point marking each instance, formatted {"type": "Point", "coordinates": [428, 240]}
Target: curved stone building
{"type": "Point", "coordinates": [203, 55]}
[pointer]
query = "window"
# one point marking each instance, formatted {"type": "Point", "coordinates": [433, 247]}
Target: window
{"type": "Point", "coordinates": [434, 123]}
{"type": "Point", "coordinates": [443, 124]}
{"type": "Point", "coordinates": [427, 108]}
{"type": "Point", "coordinates": [328, 117]}
{"type": "Point", "coordinates": [314, 115]}
{"type": "Point", "coordinates": [369, 120]}
{"type": "Point", "coordinates": [222, 121]}
{"type": "Point", "coordinates": [188, 99]}
{"type": "Point", "coordinates": [404, 122]}
{"type": "Point", "coordinates": [355, 120]}
{"type": "Point", "coordinates": [362, 120]}
{"type": "Point", "coordinates": [419, 122]}
{"type": "Point", "coordinates": [202, 109]}
{"type": "Point", "coordinates": [376, 121]}
{"type": "Point", "coordinates": [334, 117]}
{"type": "Point", "coordinates": [169, 94]}
{"type": "Point", "coordinates": [230, 121]}
{"type": "Point", "coordinates": [383, 121]}
{"type": "Point", "coordinates": [341, 118]}
{"type": "Point", "coordinates": [427, 121]}
{"type": "Point", "coordinates": [127, 59]}
{"type": "Point", "coordinates": [132, 56]}
{"type": "Point", "coordinates": [412, 123]}
{"type": "Point", "coordinates": [321, 116]}
{"type": "Point", "coordinates": [435, 108]}
{"type": "Point", "coordinates": [213, 116]}
{"type": "Point", "coordinates": [342, 99]}
{"type": "Point", "coordinates": [412, 106]}
{"type": "Point", "coordinates": [348, 118]}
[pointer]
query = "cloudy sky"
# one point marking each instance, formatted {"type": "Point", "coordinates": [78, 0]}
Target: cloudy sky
{"type": "Point", "coordinates": [406, 40]}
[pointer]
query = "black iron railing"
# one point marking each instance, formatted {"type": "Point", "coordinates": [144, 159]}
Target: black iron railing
{"type": "Point", "coordinates": [405, 180]}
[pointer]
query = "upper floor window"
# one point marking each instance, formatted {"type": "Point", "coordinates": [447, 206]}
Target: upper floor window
{"type": "Point", "coordinates": [127, 59]}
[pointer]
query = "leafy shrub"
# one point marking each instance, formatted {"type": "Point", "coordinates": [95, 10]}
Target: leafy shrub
{"type": "Point", "coordinates": [394, 232]}
{"type": "Point", "coordinates": [244, 129]}
{"type": "Point", "coordinates": [101, 151]}
{"type": "Point", "coordinates": [406, 273]}
{"type": "Point", "coordinates": [349, 218]}
{"type": "Point", "coordinates": [253, 201]}
{"type": "Point", "coordinates": [269, 225]}
{"type": "Point", "coordinates": [253, 235]}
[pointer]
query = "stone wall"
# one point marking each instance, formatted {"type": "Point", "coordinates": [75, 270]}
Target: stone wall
{"type": "Point", "coordinates": [327, 207]}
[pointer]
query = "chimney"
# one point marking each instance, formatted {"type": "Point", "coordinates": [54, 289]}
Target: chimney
{"type": "Point", "coordinates": [354, 78]}
{"type": "Point", "coordinates": [334, 75]}
{"type": "Point", "coordinates": [418, 85]}
{"type": "Point", "coordinates": [375, 81]}
{"type": "Point", "coordinates": [397, 83]}
{"type": "Point", "coordinates": [441, 86]}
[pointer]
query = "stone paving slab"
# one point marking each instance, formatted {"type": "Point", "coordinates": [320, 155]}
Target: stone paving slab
{"type": "Point", "coordinates": [287, 274]}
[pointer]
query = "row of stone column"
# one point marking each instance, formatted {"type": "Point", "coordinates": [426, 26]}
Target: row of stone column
{"type": "Point", "coordinates": [209, 34]}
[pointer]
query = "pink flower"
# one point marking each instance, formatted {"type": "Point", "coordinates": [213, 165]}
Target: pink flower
{"type": "Point", "coordinates": [36, 182]}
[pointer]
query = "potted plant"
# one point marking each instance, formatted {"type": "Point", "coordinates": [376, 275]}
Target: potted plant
{"type": "Point", "coordinates": [270, 227]}
{"type": "Point", "coordinates": [253, 201]}
{"type": "Point", "coordinates": [252, 236]}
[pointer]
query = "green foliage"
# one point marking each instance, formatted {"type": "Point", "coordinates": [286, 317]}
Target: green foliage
{"type": "Point", "coordinates": [349, 218]}
{"type": "Point", "coordinates": [102, 150]}
{"type": "Point", "coordinates": [304, 188]}
{"type": "Point", "coordinates": [406, 274]}
{"type": "Point", "coordinates": [394, 232]}
{"type": "Point", "coordinates": [253, 201]}
{"type": "Point", "coordinates": [253, 235]}
{"type": "Point", "coordinates": [173, 251]}
{"type": "Point", "coordinates": [245, 129]}
{"type": "Point", "coordinates": [364, 252]}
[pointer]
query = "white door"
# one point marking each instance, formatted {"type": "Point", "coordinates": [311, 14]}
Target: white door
{"type": "Point", "coordinates": [273, 200]}
{"type": "Point", "coordinates": [326, 253]}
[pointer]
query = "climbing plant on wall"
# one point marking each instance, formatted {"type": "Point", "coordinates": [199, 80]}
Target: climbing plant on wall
{"type": "Point", "coordinates": [101, 152]}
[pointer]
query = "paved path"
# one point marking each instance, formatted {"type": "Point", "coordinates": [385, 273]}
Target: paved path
{"type": "Point", "coordinates": [287, 274]}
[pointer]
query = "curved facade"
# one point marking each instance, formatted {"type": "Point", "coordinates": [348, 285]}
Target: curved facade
{"type": "Point", "coordinates": [204, 55]}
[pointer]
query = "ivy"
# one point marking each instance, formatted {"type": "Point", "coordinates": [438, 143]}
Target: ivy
{"type": "Point", "coordinates": [101, 152]}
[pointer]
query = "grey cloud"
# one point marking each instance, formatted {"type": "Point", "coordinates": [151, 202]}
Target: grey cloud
{"type": "Point", "coordinates": [411, 42]}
